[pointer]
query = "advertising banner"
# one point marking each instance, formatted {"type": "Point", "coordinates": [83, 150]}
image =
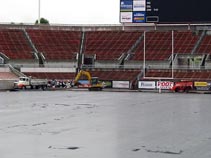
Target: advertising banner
{"type": "Point", "coordinates": [126, 17]}
{"type": "Point", "coordinates": [165, 84]}
{"type": "Point", "coordinates": [107, 84]}
{"type": "Point", "coordinates": [202, 86]}
{"type": "Point", "coordinates": [121, 84]}
{"type": "Point", "coordinates": [146, 85]}
{"type": "Point", "coordinates": [126, 6]}
{"type": "Point", "coordinates": [139, 17]}
{"type": "Point", "coordinates": [139, 5]}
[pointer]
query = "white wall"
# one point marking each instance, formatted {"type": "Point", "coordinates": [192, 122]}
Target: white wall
{"type": "Point", "coordinates": [6, 84]}
{"type": "Point", "coordinates": [4, 69]}
{"type": "Point", "coordinates": [27, 69]}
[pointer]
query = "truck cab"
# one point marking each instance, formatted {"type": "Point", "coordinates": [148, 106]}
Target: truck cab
{"type": "Point", "coordinates": [22, 82]}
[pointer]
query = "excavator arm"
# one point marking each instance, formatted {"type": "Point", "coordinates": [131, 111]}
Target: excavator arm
{"type": "Point", "coordinates": [82, 73]}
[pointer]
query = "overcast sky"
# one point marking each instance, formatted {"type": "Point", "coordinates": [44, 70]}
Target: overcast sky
{"type": "Point", "coordinates": [61, 11]}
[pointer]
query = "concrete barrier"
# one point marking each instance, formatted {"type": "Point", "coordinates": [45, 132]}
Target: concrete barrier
{"type": "Point", "coordinates": [6, 84]}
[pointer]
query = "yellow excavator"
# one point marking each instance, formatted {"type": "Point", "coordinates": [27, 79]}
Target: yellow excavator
{"type": "Point", "coordinates": [94, 83]}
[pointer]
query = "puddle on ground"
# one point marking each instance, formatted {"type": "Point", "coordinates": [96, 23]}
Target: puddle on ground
{"type": "Point", "coordinates": [68, 148]}
{"type": "Point", "coordinates": [165, 152]}
{"type": "Point", "coordinates": [39, 124]}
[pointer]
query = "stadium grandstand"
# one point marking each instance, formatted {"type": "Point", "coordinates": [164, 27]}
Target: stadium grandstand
{"type": "Point", "coordinates": [112, 52]}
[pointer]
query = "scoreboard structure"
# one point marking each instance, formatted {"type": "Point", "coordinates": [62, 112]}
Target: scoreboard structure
{"type": "Point", "coordinates": [165, 11]}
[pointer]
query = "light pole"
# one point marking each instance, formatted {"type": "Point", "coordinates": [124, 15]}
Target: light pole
{"type": "Point", "coordinates": [172, 55]}
{"type": "Point", "coordinates": [38, 11]}
{"type": "Point", "coordinates": [144, 64]}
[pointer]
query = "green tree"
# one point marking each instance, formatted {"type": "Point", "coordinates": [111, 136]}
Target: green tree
{"type": "Point", "coordinates": [42, 21]}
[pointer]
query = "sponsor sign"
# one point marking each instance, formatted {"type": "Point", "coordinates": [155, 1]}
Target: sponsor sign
{"type": "Point", "coordinates": [126, 6]}
{"type": "Point", "coordinates": [126, 17]}
{"type": "Point", "coordinates": [165, 84]}
{"type": "Point", "coordinates": [139, 5]}
{"type": "Point", "coordinates": [121, 84]}
{"type": "Point", "coordinates": [107, 84]}
{"type": "Point", "coordinates": [139, 17]}
{"type": "Point", "coordinates": [146, 85]}
{"type": "Point", "coordinates": [202, 86]}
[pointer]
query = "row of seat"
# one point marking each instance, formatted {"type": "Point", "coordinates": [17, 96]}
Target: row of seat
{"type": "Point", "coordinates": [13, 44]}
{"type": "Point", "coordinates": [158, 45]}
{"type": "Point", "coordinates": [180, 74]}
{"type": "Point", "coordinates": [56, 45]}
{"type": "Point", "coordinates": [128, 75]}
{"type": "Point", "coordinates": [106, 45]}
{"type": "Point", "coordinates": [109, 45]}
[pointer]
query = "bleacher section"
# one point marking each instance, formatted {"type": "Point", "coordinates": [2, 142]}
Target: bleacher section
{"type": "Point", "coordinates": [205, 46]}
{"type": "Point", "coordinates": [118, 75]}
{"type": "Point", "coordinates": [56, 45]}
{"type": "Point", "coordinates": [184, 41]}
{"type": "Point", "coordinates": [14, 44]}
{"type": "Point", "coordinates": [109, 45]}
{"type": "Point", "coordinates": [60, 46]}
{"type": "Point", "coordinates": [103, 75]}
{"type": "Point", "coordinates": [159, 45]}
{"type": "Point", "coordinates": [180, 74]}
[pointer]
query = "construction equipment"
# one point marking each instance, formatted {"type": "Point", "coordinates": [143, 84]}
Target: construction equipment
{"type": "Point", "coordinates": [94, 83]}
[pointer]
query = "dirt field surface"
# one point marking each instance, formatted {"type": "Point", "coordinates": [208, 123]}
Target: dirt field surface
{"type": "Point", "coordinates": [82, 124]}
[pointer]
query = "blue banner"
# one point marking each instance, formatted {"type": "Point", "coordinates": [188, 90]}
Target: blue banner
{"type": "Point", "coordinates": [139, 17]}
{"type": "Point", "coordinates": [126, 6]}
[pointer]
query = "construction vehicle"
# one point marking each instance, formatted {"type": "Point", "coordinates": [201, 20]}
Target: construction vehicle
{"type": "Point", "coordinates": [94, 83]}
{"type": "Point", "coordinates": [183, 86]}
{"type": "Point", "coordinates": [28, 82]}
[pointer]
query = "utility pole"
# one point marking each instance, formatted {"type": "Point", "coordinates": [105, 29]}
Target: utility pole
{"type": "Point", "coordinates": [38, 11]}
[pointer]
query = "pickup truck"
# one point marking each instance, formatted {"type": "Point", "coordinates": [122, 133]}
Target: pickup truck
{"type": "Point", "coordinates": [183, 86]}
{"type": "Point", "coordinates": [28, 82]}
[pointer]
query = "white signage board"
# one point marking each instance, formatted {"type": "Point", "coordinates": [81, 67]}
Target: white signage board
{"type": "Point", "coordinates": [165, 84]}
{"type": "Point", "coordinates": [146, 85]}
{"type": "Point", "coordinates": [121, 84]}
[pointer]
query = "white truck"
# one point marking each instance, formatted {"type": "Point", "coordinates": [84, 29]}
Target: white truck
{"type": "Point", "coordinates": [28, 82]}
